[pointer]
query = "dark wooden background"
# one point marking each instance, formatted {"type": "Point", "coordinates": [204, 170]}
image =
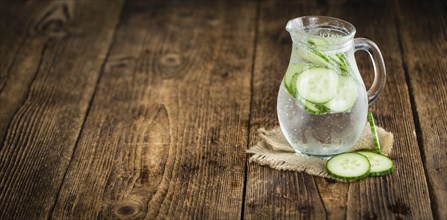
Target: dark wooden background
{"type": "Point", "coordinates": [143, 109]}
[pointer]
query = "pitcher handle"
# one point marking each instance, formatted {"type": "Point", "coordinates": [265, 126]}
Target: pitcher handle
{"type": "Point", "coordinates": [379, 67]}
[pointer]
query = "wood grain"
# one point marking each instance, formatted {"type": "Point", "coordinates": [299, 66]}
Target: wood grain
{"type": "Point", "coordinates": [20, 54]}
{"type": "Point", "coordinates": [424, 44]}
{"type": "Point", "coordinates": [274, 194]}
{"type": "Point", "coordinates": [166, 134]}
{"type": "Point", "coordinates": [146, 114]}
{"type": "Point", "coordinates": [48, 76]}
{"type": "Point", "coordinates": [271, 193]}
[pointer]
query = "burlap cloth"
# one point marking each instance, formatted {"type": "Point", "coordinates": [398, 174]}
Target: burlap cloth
{"type": "Point", "coordinates": [274, 150]}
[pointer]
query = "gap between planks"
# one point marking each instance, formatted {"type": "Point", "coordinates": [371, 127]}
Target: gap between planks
{"type": "Point", "coordinates": [255, 42]}
{"type": "Point", "coordinates": [98, 80]}
{"type": "Point", "coordinates": [414, 112]}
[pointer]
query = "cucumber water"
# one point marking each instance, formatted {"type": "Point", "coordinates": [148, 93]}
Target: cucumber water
{"type": "Point", "coordinates": [322, 101]}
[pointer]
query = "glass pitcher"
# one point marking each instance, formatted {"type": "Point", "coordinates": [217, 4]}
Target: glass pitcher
{"type": "Point", "coordinates": [322, 101]}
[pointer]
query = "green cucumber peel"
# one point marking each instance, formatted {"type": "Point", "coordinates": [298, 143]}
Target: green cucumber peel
{"type": "Point", "coordinates": [380, 164]}
{"type": "Point", "coordinates": [374, 134]}
{"type": "Point", "coordinates": [321, 55]}
{"type": "Point", "coordinates": [348, 166]}
{"type": "Point", "coordinates": [312, 108]}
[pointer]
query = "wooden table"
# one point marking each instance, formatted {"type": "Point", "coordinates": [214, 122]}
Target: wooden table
{"type": "Point", "coordinates": [135, 109]}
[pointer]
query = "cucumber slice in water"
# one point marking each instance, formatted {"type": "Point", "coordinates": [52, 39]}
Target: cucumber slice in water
{"type": "Point", "coordinates": [348, 166]}
{"type": "Point", "coordinates": [293, 70]}
{"type": "Point", "coordinates": [337, 61]}
{"type": "Point", "coordinates": [372, 125]}
{"type": "Point", "coordinates": [380, 165]}
{"type": "Point", "coordinates": [346, 97]}
{"type": "Point", "coordinates": [312, 108]}
{"type": "Point", "coordinates": [314, 57]}
{"type": "Point", "coordinates": [317, 85]}
{"type": "Point", "coordinates": [341, 61]}
{"type": "Point", "coordinates": [317, 42]}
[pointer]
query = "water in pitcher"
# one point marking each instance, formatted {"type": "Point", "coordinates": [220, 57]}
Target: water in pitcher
{"type": "Point", "coordinates": [322, 101]}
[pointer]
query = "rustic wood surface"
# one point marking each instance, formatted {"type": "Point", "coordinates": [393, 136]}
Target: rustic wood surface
{"type": "Point", "coordinates": [144, 109]}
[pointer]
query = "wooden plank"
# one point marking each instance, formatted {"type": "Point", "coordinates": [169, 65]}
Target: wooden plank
{"type": "Point", "coordinates": [274, 194]}
{"type": "Point", "coordinates": [17, 65]}
{"type": "Point", "coordinates": [423, 31]}
{"type": "Point", "coordinates": [167, 130]}
{"type": "Point", "coordinates": [59, 58]}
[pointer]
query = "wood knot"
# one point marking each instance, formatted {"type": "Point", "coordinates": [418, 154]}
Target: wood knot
{"type": "Point", "coordinates": [52, 21]}
{"type": "Point", "coordinates": [120, 66]}
{"type": "Point", "coordinates": [53, 26]}
{"type": "Point", "coordinates": [127, 209]}
{"type": "Point", "coordinates": [170, 59]}
{"type": "Point", "coordinates": [171, 65]}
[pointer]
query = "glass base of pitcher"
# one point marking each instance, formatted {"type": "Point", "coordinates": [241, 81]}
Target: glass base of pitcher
{"type": "Point", "coordinates": [321, 156]}
{"type": "Point", "coordinates": [316, 156]}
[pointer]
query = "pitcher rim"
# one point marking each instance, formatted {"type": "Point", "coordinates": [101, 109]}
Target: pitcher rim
{"type": "Point", "coordinates": [292, 27]}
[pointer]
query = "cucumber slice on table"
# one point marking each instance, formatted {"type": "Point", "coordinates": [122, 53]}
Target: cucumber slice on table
{"type": "Point", "coordinates": [348, 166]}
{"type": "Point", "coordinates": [317, 85]}
{"type": "Point", "coordinates": [380, 165]}
{"type": "Point", "coordinates": [346, 97]}
{"type": "Point", "coordinates": [374, 133]}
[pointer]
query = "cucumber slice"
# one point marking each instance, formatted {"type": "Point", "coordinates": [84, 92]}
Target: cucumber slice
{"type": "Point", "coordinates": [317, 42]}
{"type": "Point", "coordinates": [314, 57]}
{"type": "Point", "coordinates": [341, 61]}
{"type": "Point", "coordinates": [312, 108]}
{"type": "Point", "coordinates": [348, 166]}
{"type": "Point", "coordinates": [337, 61]}
{"type": "Point", "coordinates": [317, 85]}
{"type": "Point", "coordinates": [380, 165]}
{"type": "Point", "coordinates": [372, 125]}
{"type": "Point", "coordinates": [293, 70]}
{"type": "Point", "coordinates": [346, 96]}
